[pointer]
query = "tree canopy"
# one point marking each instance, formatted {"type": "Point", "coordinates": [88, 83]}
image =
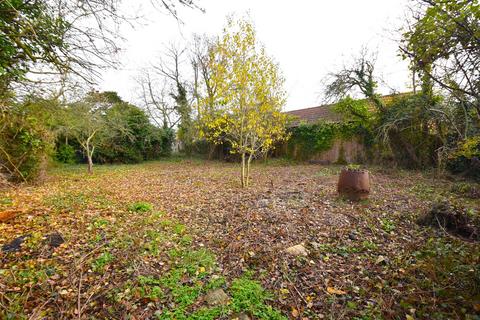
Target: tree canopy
{"type": "Point", "coordinates": [43, 39]}
{"type": "Point", "coordinates": [442, 43]}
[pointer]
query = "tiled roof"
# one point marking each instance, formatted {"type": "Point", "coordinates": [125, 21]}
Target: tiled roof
{"type": "Point", "coordinates": [326, 112]}
{"type": "Point", "coordinates": [314, 114]}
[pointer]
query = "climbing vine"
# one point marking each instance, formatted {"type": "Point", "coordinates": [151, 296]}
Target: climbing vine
{"type": "Point", "coordinates": [309, 139]}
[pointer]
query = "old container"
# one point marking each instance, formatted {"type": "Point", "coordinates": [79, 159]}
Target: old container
{"type": "Point", "coordinates": [354, 184]}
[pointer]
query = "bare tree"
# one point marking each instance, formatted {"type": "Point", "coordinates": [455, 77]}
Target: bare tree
{"type": "Point", "coordinates": [200, 58]}
{"type": "Point", "coordinates": [173, 88]}
{"type": "Point", "coordinates": [358, 76]}
{"type": "Point", "coordinates": [172, 67]}
{"type": "Point", "coordinates": [154, 96]}
{"type": "Point", "coordinates": [204, 88]}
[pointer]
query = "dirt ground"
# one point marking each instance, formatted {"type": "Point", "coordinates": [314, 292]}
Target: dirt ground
{"type": "Point", "coordinates": [366, 260]}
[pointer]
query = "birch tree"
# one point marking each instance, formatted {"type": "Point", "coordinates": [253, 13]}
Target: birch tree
{"type": "Point", "coordinates": [247, 107]}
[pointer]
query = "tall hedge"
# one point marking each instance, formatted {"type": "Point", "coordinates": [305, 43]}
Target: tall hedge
{"type": "Point", "coordinates": [26, 139]}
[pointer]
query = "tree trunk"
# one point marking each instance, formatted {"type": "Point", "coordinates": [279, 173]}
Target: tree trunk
{"type": "Point", "coordinates": [211, 150]}
{"type": "Point", "coordinates": [89, 158]}
{"type": "Point", "coordinates": [90, 164]}
{"type": "Point", "coordinates": [248, 169]}
{"type": "Point", "coordinates": [243, 170]}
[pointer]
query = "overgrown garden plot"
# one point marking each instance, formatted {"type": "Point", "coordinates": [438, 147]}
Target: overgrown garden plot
{"type": "Point", "coordinates": [156, 240]}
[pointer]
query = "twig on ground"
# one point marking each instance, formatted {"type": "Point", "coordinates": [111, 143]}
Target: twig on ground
{"type": "Point", "coordinates": [79, 296]}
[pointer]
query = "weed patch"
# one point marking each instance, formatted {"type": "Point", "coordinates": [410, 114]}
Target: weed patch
{"type": "Point", "coordinates": [140, 207]}
{"type": "Point", "coordinates": [102, 261]}
{"type": "Point", "coordinates": [248, 295]}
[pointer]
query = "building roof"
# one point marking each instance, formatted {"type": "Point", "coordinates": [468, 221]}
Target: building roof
{"type": "Point", "coordinates": [314, 114]}
{"type": "Point", "coordinates": [327, 112]}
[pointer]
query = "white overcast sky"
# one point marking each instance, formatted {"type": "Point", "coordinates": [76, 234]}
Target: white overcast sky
{"type": "Point", "coordinates": [308, 38]}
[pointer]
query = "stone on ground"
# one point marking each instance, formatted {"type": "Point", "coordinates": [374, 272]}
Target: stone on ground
{"type": "Point", "coordinates": [297, 250]}
{"type": "Point", "coordinates": [216, 297]}
{"type": "Point", "coordinates": [240, 316]}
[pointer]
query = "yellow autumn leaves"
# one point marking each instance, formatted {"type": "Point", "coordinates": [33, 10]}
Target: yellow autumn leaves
{"type": "Point", "coordinates": [246, 111]}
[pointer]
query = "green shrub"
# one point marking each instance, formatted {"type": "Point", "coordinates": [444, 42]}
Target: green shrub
{"type": "Point", "coordinates": [25, 141]}
{"type": "Point", "coordinates": [409, 128]}
{"type": "Point", "coordinates": [136, 141]}
{"type": "Point", "coordinates": [65, 153]}
{"type": "Point", "coordinates": [466, 158]}
{"type": "Point", "coordinates": [159, 144]}
{"type": "Point", "coordinates": [127, 136]}
{"type": "Point", "coordinates": [308, 139]}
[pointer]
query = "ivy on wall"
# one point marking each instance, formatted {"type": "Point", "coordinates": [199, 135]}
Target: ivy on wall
{"type": "Point", "coordinates": [309, 139]}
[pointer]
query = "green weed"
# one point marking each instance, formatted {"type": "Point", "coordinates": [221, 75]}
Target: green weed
{"type": "Point", "coordinates": [154, 244]}
{"type": "Point", "coordinates": [140, 207]}
{"type": "Point", "coordinates": [150, 288]}
{"type": "Point", "coordinates": [249, 295]}
{"type": "Point", "coordinates": [68, 201]}
{"type": "Point", "coordinates": [104, 259]}
{"type": "Point", "coordinates": [197, 259]}
{"type": "Point", "coordinates": [387, 225]}
{"type": "Point", "coordinates": [179, 228]}
{"type": "Point", "coordinates": [369, 245]}
{"type": "Point", "coordinates": [328, 171]}
{"type": "Point", "coordinates": [5, 202]}
{"type": "Point", "coordinates": [186, 240]}
{"type": "Point", "coordinates": [100, 223]}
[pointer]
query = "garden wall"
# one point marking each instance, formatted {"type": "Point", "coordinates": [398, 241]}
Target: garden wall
{"type": "Point", "coordinates": [342, 151]}
{"type": "Point", "coordinates": [350, 151]}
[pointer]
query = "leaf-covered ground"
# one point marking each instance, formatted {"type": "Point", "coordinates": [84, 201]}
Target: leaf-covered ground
{"type": "Point", "coordinates": [153, 241]}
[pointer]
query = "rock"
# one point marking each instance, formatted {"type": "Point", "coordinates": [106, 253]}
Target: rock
{"type": "Point", "coordinates": [216, 297]}
{"type": "Point", "coordinates": [240, 316]}
{"type": "Point", "coordinates": [54, 240]}
{"type": "Point", "coordinates": [297, 250]}
{"type": "Point", "coordinates": [15, 244]}
{"type": "Point", "coordinates": [352, 236]}
{"type": "Point", "coordinates": [315, 245]}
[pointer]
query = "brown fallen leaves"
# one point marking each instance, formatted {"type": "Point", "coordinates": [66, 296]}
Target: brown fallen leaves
{"type": "Point", "coordinates": [339, 275]}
